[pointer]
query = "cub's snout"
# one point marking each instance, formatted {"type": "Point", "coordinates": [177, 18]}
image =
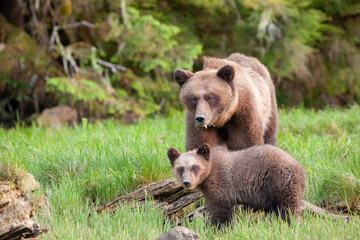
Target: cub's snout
{"type": "Point", "coordinates": [190, 168]}
{"type": "Point", "coordinates": [186, 184]}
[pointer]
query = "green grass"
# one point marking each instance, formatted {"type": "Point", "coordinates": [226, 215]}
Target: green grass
{"type": "Point", "coordinates": [81, 167]}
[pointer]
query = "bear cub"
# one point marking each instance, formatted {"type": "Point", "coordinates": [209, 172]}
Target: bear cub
{"type": "Point", "coordinates": [261, 177]}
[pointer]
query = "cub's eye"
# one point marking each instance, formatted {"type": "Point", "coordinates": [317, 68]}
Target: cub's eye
{"type": "Point", "coordinates": [180, 171]}
{"type": "Point", "coordinates": [194, 169]}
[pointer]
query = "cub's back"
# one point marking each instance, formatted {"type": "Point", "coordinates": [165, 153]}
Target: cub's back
{"type": "Point", "coordinates": [264, 155]}
{"type": "Point", "coordinates": [264, 173]}
{"type": "Point", "coordinates": [248, 166]}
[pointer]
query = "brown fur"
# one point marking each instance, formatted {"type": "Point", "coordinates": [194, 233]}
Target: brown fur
{"type": "Point", "coordinates": [261, 177]}
{"type": "Point", "coordinates": [242, 111]}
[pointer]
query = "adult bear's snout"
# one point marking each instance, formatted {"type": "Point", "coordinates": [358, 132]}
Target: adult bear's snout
{"type": "Point", "coordinates": [199, 119]}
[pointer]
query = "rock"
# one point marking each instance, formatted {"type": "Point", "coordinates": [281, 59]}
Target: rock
{"type": "Point", "coordinates": [58, 117]}
{"type": "Point", "coordinates": [179, 233]}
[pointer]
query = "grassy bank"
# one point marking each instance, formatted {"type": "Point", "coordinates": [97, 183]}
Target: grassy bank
{"type": "Point", "coordinates": [89, 164]}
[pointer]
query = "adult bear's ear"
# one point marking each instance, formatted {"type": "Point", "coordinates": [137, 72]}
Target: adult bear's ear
{"type": "Point", "coordinates": [173, 154]}
{"type": "Point", "coordinates": [204, 151]}
{"type": "Point", "coordinates": [226, 73]}
{"type": "Point", "coordinates": [181, 76]}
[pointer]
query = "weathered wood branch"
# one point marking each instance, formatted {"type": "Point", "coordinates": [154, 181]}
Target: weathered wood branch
{"type": "Point", "coordinates": [170, 196]}
{"type": "Point", "coordinates": [55, 42]}
{"type": "Point", "coordinates": [319, 211]}
{"type": "Point", "coordinates": [24, 232]}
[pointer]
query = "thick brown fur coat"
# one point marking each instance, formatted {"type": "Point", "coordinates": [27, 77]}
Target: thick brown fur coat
{"type": "Point", "coordinates": [231, 101]}
{"type": "Point", "coordinates": [261, 177]}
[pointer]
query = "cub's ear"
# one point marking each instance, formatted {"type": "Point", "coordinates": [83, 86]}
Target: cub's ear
{"type": "Point", "coordinates": [173, 154]}
{"type": "Point", "coordinates": [204, 151]}
{"type": "Point", "coordinates": [226, 73]}
{"type": "Point", "coordinates": [181, 76]}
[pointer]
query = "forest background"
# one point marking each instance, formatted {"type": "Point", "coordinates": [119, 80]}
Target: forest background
{"type": "Point", "coordinates": [115, 58]}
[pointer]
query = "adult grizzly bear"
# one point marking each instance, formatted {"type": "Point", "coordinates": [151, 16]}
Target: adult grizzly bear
{"type": "Point", "coordinates": [261, 177]}
{"type": "Point", "coordinates": [230, 101]}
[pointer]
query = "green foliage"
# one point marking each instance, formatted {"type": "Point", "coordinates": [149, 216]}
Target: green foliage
{"type": "Point", "coordinates": [310, 47]}
{"type": "Point", "coordinates": [92, 78]}
{"type": "Point", "coordinates": [287, 33]}
{"type": "Point", "coordinates": [19, 58]}
{"type": "Point", "coordinates": [144, 43]}
{"type": "Point", "coordinates": [303, 42]}
{"type": "Point", "coordinates": [338, 8]}
{"type": "Point", "coordinates": [149, 43]}
{"type": "Point", "coordinates": [82, 90]}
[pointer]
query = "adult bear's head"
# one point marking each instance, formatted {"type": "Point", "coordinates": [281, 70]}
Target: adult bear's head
{"type": "Point", "coordinates": [208, 94]}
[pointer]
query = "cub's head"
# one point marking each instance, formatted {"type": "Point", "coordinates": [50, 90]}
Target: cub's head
{"type": "Point", "coordinates": [208, 94]}
{"type": "Point", "coordinates": [190, 168]}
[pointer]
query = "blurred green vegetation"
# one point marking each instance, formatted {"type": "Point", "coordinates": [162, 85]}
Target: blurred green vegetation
{"type": "Point", "coordinates": [115, 58]}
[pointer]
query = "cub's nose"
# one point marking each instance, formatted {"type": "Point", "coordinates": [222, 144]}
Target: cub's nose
{"type": "Point", "coordinates": [199, 119]}
{"type": "Point", "coordinates": [186, 183]}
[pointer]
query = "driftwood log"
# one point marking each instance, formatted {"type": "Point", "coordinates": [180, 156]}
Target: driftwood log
{"type": "Point", "coordinates": [16, 212]}
{"type": "Point", "coordinates": [168, 195]}
{"type": "Point", "coordinates": [171, 197]}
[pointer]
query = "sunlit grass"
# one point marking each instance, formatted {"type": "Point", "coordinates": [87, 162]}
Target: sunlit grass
{"type": "Point", "coordinates": [250, 226]}
{"type": "Point", "coordinates": [90, 164]}
{"type": "Point", "coordinates": [105, 160]}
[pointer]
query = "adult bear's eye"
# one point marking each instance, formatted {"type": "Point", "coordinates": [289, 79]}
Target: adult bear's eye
{"type": "Point", "coordinates": [193, 101]}
{"type": "Point", "coordinates": [209, 98]}
{"type": "Point", "coordinates": [212, 99]}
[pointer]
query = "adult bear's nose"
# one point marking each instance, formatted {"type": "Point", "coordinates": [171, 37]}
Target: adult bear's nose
{"type": "Point", "coordinates": [186, 183]}
{"type": "Point", "coordinates": [199, 119]}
